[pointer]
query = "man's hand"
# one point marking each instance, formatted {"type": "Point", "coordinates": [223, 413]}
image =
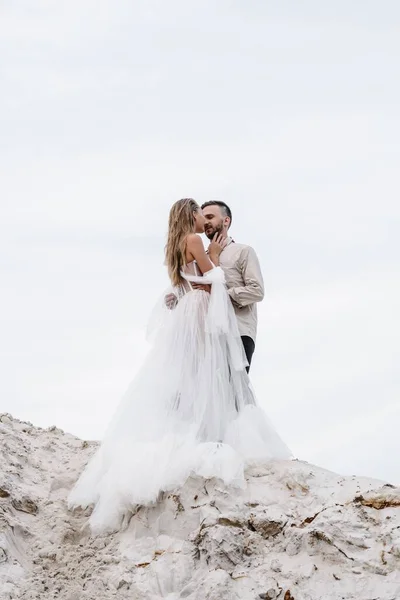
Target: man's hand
{"type": "Point", "coordinates": [202, 286]}
{"type": "Point", "coordinates": [171, 301]}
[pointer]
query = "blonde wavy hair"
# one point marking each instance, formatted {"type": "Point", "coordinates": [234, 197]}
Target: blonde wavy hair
{"type": "Point", "coordinates": [181, 224]}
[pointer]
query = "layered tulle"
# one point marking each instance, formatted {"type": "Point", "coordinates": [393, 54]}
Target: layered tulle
{"type": "Point", "coordinates": [190, 410]}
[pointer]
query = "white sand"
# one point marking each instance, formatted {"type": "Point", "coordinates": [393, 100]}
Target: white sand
{"type": "Point", "coordinates": [298, 532]}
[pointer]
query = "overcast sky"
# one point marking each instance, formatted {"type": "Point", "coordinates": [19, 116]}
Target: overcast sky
{"type": "Point", "coordinates": [286, 110]}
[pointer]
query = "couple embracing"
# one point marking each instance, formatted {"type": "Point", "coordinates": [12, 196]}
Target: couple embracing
{"type": "Point", "coordinates": [191, 409]}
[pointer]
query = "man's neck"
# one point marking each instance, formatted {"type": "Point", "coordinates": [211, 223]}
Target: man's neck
{"type": "Point", "coordinates": [223, 234]}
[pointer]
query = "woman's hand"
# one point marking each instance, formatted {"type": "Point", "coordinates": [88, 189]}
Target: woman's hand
{"type": "Point", "coordinates": [216, 246]}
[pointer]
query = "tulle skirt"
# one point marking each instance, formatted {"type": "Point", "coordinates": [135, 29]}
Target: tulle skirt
{"type": "Point", "coordinates": [190, 410]}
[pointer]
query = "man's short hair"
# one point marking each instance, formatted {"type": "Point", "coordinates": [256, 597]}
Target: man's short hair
{"type": "Point", "coordinates": [224, 207]}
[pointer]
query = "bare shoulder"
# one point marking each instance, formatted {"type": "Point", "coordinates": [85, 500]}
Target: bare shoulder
{"type": "Point", "coordinates": [194, 247]}
{"type": "Point", "coordinates": [193, 240]}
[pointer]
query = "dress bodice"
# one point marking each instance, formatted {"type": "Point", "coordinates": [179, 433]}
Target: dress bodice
{"type": "Point", "coordinates": [191, 268]}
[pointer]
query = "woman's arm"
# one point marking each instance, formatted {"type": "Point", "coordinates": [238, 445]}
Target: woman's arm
{"type": "Point", "coordinates": [195, 251]}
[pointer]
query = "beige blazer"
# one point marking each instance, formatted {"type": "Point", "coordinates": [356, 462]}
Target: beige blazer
{"type": "Point", "coordinates": [245, 284]}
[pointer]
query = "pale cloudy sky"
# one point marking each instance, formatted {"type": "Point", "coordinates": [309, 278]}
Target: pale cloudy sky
{"type": "Point", "coordinates": [288, 111]}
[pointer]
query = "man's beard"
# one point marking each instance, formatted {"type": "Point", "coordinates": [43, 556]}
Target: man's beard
{"type": "Point", "coordinates": [212, 231]}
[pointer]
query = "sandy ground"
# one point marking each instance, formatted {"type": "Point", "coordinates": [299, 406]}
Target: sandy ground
{"type": "Point", "coordinates": [298, 532]}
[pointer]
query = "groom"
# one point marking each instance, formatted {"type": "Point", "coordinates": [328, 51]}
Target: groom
{"type": "Point", "coordinates": [242, 273]}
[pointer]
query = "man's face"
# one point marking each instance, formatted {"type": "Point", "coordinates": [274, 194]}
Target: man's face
{"type": "Point", "coordinates": [215, 221]}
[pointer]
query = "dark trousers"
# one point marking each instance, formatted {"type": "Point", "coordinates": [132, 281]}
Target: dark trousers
{"type": "Point", "coordinates": [249, 346]}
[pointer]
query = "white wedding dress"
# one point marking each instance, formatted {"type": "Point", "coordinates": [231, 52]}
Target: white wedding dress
{"type": "Point", "coordinates": [189, 410]}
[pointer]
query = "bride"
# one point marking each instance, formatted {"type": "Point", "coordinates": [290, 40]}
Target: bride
{"type": "Point", "coordinates": [190, 409]}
